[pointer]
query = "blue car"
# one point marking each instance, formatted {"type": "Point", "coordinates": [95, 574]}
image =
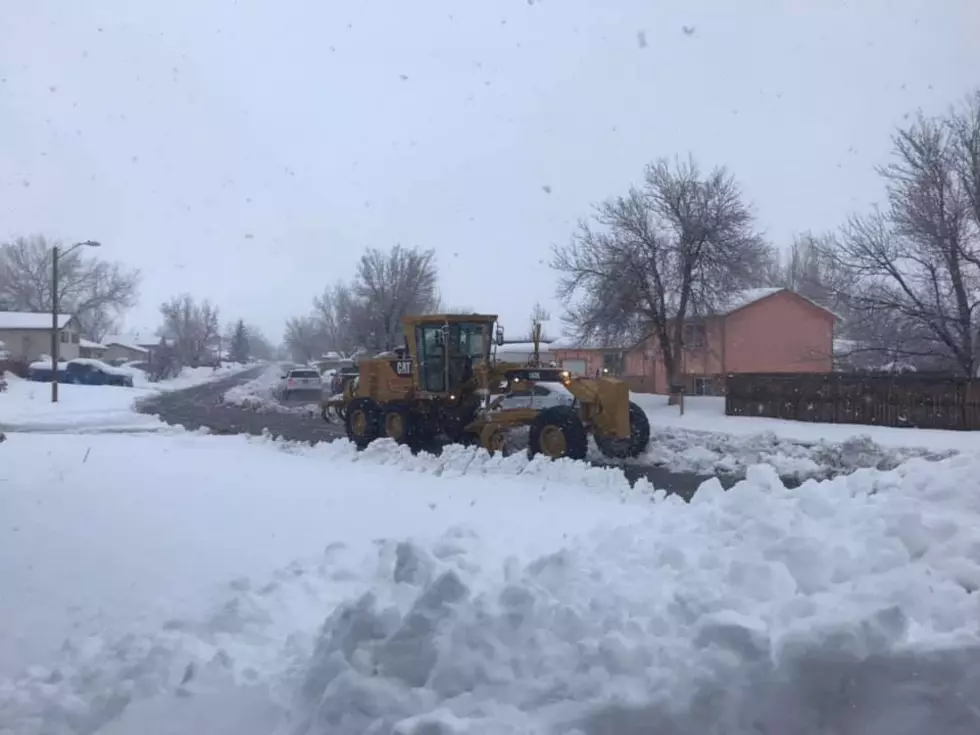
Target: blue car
{"type": "Point", "coordinates": [82, 371]}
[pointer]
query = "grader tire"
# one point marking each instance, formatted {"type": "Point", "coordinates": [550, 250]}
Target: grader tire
{"type": "Point", "coordinates": [628, 448]}
{"type": "Point", "coordinates": [363, 421]}
{"type": "Point", "coordinates": [558, 432]}
{"type": "Point", "coordinates": [398, 423]}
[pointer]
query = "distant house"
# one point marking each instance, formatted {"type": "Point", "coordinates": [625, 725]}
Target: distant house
{"type": "Point", "coordinates": [125, 348]}
{"type": "Point", "coordinates": [27, 335]}
{"type": "Point", "coordinates": [763, 330]}
{"type": "Point", "coordinates": [90, 349]}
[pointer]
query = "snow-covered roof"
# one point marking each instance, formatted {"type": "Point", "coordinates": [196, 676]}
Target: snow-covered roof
{"type": "Point", "coordinates": [527, 347]}
{"type": "Point", "coordinates": [90, 345]}
{"type": "Point", "coordinates": [30, 320]}
{"type": "Point", "coordinates": [740, 299]}
{"type": "Point", "coordinates": [128, 341]}
{"type": "Point", "coordinates": [569, 342]}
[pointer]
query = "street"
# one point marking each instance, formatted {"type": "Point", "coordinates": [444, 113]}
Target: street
{"type": "Point", "coordinates": [202, 406]}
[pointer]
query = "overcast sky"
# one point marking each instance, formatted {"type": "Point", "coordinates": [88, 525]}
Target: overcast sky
{"type": "Point", "coordinates": [249, 151]}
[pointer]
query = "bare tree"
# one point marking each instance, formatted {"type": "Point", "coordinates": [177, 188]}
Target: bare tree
{"type": "Point", "coordinates": [539, 315]}
{"type": "Point", "coordinates": [259, 346]}
{"type": "Point", "coordinates": [915, 264]}
{"type": "Point", "coordinates": [192, 328]}
{"type": "Point", "coordinates": [96, 291]}
{"type": "Point", "coordinates": [303, 339]}
{"type": "Point", "coordinates": [391, 285]}
{"type": "Point", "coordinates": [341, 319]}
{"type": "Point", "coordinates": [668, 250]}
{"type": "Point", "coordinates": [809, 271]}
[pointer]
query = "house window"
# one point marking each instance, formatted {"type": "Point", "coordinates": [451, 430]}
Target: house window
{"type": "Point", "coordinates": [613, 363]}
{"type": "Point", "coordinates": [694, 336]}
{"type": "Point", "coordinates": [703, 387]}
{"type": "Point", "coordinates": [74, 338]}
{"type": "Point", "coordinates": [65, 338]}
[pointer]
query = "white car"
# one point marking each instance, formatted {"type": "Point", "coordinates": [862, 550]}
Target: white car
{"type": "Point", "coordinates": [543, 395]}
{"type": "Point", "coordinates": [300, 381]}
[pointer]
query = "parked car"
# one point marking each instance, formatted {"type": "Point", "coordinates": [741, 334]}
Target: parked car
{"type": "Point", "coordinates": [543, 395]}
{"type": "Point", "coordinates": [40, 371]}
{"type": "Point", "coordinates": [298, 381]}
{"type": "Point", "coordinates": [87, 371]}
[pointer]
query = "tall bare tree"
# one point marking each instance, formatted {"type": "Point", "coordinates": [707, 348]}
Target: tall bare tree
{"type": "Point", "coordinates": [303, 338]}
{"type": "Point", "coordinates": [259, 346]}
{"type": "Point", "coordinates": [670, 249]}
{"type": "Point", "coordinates": [391, 285]}
{"type": "Point", "coordinates": [341, 319]}
{"type": "Point", "coordinates": [192, 328]}
{"type": "Point", "coordinates": [915, 263]}
{"type": "Point", "coordinates": [96, 291]}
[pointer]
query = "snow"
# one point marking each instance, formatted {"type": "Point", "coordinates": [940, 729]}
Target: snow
{"type": "Point", "coordinates": [26, 405]}
{"type": "Point", "coordinates": [104, 367]}
{"type": "Point", "coordinates": [89, 344]}
{"type": "Point", "coordinates": [30, 320]}
{"type": "Point", "coordinates": [740, 299]}
{"type": "Point", "coordinates": [705, 440]}
{"type": "Point", "coordinates": [167, 583]}
{"type": "Point", "coordinates": [261, 394]}
{"type": "Point", "coordinates": [129, 341]}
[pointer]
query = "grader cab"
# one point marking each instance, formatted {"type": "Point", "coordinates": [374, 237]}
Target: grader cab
{"type": "Point", "coordinates": [445, 381]}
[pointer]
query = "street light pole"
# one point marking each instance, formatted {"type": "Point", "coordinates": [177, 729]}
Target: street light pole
{"type": "Point", "coordinates": [55, 326]}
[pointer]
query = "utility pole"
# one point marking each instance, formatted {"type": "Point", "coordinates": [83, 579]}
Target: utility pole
{"type": "Point", "coordinates": [55, 326]}
{"type": "Point", "coordinates": [55, 331]}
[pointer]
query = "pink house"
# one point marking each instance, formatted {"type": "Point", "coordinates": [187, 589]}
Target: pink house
{"type": "Point", "coordinates": [762, 330]}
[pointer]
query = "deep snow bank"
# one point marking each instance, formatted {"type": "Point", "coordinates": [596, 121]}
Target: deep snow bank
{"type": "Point", "coordinates": [848, 606]}
{"type": "Point", "coordinates": [844, 606]}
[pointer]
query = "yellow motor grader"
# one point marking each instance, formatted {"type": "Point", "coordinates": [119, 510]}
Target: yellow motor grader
{"type": "Point", "coordinates": [446, 381]}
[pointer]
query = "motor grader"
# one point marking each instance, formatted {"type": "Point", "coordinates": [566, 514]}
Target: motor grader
{"type": "Point", "coordinates": [446, 381]}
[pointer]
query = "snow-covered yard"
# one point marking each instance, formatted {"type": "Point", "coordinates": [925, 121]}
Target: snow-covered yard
{"type": "Point", "coordinates": [26, 405]}
{"type": "Point", "coordinates": [705, 440]}
{"type": "Point", "coordinates": [178, 583]}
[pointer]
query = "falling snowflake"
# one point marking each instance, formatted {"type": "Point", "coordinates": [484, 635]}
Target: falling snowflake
{"type": "Point", "coordinates": [688, 30]}
{"type": "Point", "coordinates": [546, 189]}
{"type": "Point", "coordinates": [641, 39]}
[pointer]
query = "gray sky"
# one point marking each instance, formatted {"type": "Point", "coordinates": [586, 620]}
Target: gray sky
{"type": "Point", "coordinates": [249, 151]}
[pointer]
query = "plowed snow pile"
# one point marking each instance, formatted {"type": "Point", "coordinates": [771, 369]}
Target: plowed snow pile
{"type": "Point", "coordinates": [260, 394]}
{"type": "Point", "coordinates": [465, 594]}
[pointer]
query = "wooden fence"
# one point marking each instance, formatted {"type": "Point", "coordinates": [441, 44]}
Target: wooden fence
{"type": "Point", "coordinates": [914, 401]}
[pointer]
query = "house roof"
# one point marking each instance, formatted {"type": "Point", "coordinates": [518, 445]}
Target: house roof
{"type": "Point", "coordinates": [570, 342]}
{"type": "Point", "coordinates": [90, 345]}
{"type": "Point", "coordinates": [523, 347]}
{"type": "Point", "coordinates": [31, 320]}
{"type": "Point", "coordinates": [741, 299]}
{"type": "Point", "coordinates": [125, 340]}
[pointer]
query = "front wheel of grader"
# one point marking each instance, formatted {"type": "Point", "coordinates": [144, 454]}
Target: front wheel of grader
{"type": "Point", "coordinates": [558, 432]}
{"type": "Point", "coordinates": [627, 448]}
{"type": "Point", "coordinates": [363, 421]}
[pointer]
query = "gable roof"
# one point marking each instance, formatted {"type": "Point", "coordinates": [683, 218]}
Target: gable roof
{"type": "Point", "coordinates": [31, 320]}
{"type": "Point", "coordinates": [123, 340]}
{"type": "Point", "coordinates": [740, 299]}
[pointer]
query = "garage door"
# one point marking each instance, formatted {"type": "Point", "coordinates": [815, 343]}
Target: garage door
{"type": "Point", "coordinates": [575, 367]}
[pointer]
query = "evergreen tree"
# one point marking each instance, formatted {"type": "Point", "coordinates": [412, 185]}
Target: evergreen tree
{"type": "Point", "coordinates": [238, 349]}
